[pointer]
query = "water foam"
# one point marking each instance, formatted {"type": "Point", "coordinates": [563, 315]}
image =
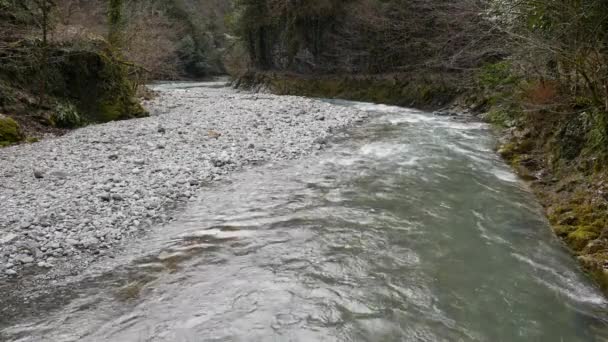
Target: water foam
{"type": "Point", "coordinates": [383, 150]}
{"type": "Point", "coordinates": [505, 175]}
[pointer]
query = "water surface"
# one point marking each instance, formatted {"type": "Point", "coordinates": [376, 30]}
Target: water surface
{"type": "Point", "coordinates": [408, 228]}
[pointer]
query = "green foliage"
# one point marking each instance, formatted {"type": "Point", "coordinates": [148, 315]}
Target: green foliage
{"type": "Point", "coordinates": [66, 116]}
{"type": "Point", "coordinates": [597, 135]}
{"type": "Point", "coordinates": [501, 117]}
{"type": "Point", "coordinates": [115, 22]}
{"type": "Point", "coordinates": [195, 61]}
{"type": "Point", "coordinates": [10, 132]}
{"type": "Point", "coordinates": [260, 24]}
{"type": "Point", "coordinates": [497, 75]}
{"type": "Point", "coordinates": [579, 238]}
{"type": "Point", "coordinates": [89, 86]}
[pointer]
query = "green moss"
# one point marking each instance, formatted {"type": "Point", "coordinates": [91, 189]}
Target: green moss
{"type": "Point", "coordinates": [499, 117]}
{"type": "Point", "coordinates": [508, 151]}
{"type": "Point", "coordinates": [10, 132]}
{"type": "Point", "coordinates": [579, 238]}
{"type": "Point", "coordinates": [90, 84]}
{"type": "Point", "coordinates": [497, 75]}
{"type": "Point", "coordinates": [563, 231]}
{"type": "Point", "coordinates": [110, 111]}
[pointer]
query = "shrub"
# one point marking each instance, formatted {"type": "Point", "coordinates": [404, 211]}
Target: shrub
{"type": "Point", "coordinates": [66, 116]}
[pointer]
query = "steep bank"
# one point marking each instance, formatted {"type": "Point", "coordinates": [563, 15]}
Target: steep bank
{"type": "Point", "coordinates": [555, 154]}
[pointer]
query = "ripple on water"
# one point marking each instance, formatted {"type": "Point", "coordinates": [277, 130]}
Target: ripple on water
{"type": "Point", "coordinates": [564, 282]}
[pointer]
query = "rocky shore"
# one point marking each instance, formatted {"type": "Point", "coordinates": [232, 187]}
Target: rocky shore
{"type": "Point", "coordinates": [69, 200]}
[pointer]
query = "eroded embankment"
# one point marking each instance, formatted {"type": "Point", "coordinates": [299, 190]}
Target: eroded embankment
{"type": "Point", "coordinates": [70, 200]}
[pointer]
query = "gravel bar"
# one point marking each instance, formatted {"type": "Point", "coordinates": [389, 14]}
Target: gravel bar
{"type": "Point", "coordinates": [70, 200]}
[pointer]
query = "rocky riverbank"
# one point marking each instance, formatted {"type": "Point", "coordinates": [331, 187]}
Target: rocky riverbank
{"type": "Point", "coordinates": [69, 200]}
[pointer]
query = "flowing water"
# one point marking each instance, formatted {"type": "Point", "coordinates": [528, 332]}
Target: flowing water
{"type": "Point", "coordinates": [408, 228]}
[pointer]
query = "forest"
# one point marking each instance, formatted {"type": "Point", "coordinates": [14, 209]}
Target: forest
{"type": "Point", "coordinates": [537, 70]}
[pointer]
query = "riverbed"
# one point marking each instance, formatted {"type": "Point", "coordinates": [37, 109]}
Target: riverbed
{"type": "Point", "coordinates": [403, 227]}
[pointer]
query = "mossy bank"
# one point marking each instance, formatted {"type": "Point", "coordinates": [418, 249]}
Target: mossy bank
{"type": "Point", "coordinates": [571, 181]}
{"type": "Point", "coordinates": [425, 91]}
{"type": "Point", "coordinates": [64, 87]}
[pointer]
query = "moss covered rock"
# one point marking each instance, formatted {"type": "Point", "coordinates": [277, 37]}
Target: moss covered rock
{"type": "Point", "coordinates": [84, 84]}
{"type": "Point", "coordinates": [10, 132]}
{"type": "Point", "coordinates": [99, 85]}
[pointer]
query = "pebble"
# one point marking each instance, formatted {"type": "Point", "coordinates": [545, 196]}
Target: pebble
{"type": "Point", "coordinates": [8, 238]}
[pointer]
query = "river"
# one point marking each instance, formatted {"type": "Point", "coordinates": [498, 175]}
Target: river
{"type": "Point", "coordinates": [407, 228]}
